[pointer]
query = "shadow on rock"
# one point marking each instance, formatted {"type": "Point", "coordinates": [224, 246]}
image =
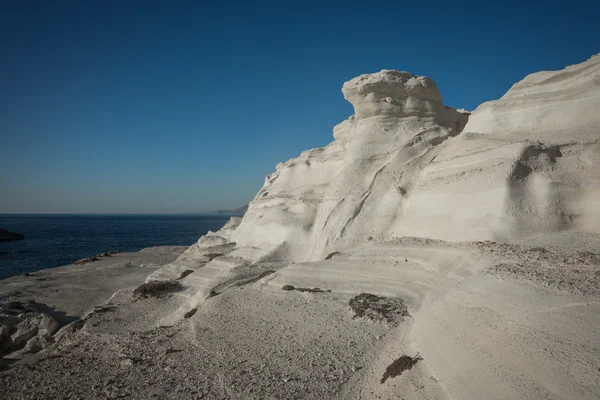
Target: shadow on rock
{"type": "Point", "coordinates": [402, 364]}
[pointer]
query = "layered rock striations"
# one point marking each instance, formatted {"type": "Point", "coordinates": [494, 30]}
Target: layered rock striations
{"type": "Point", "coordinates": [526, 164]}
{"type": "Point", "coordinates": [406, 165]}
{"type": "Point", "coordinates": [359, 185]}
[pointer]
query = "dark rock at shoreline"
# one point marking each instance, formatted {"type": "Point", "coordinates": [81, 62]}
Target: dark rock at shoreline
{"type": "Point", "coordinates": [238, 211]}
{"type": "Point", "coordinates": [5, 235]}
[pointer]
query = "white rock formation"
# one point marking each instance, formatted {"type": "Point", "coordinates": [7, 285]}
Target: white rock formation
{"type": "Point", "coordinates": [526, 164]}
{"type": "Point", "coordinates": [199, 254]}
{"type": "Point", "coordinates": [25, 333]}
{"type": "Point", "coordinates": [359, 185]}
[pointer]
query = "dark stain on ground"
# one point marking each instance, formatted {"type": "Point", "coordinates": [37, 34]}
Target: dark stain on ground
{"type": "Point", "coordinates": [402, 364]}
{"type": "Point", "coordinates": [190, 313]}
{"type": "Point", "coordinates": [392, 310]}
{"type": "Point", "coordinates": [305, 290]}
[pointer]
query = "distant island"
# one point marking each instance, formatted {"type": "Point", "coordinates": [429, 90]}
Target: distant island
{"type": "Point", "coordinates": [5, 235]}
{"type": "Point", "coordinates": [238, 211]}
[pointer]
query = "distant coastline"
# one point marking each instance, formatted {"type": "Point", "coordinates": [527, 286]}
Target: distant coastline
{"type": "Point", "coordinates": [59, 239]}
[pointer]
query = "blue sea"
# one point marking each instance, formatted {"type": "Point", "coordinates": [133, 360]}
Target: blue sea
{"type": "Point", "coordinates": [55, 240]}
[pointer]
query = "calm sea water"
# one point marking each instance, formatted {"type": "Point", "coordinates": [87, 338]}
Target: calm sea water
{"type": "Point", "coordinates": [55, 240]}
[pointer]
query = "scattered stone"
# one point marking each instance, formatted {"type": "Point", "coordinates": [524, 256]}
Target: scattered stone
{"type": "Point", "coordinates": [98, 257]}
{"type": "Point", "coordinates": [127, 362]}
{"type": "Point", "coordinates": [24, 330]}
{"type": "Point", "coordinates": [47, 326]}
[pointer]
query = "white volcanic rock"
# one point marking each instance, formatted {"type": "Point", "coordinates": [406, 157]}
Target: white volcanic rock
{"type": "Point", "coordinates": [547, 104]}
{"type": "Point", "coordinates": [396, 94]}
{"type": "Point", "coordinates": [358, 185]}
{"type": "Point", "coordinates": [528, 163]}
{"type": "Point", "coordinates": [209, 246]}
{"type": "Point", "coordinates": [25, 327]}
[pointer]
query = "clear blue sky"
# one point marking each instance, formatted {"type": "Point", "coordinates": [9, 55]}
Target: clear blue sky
{"type": "Point", "coordinates": [174, 106]}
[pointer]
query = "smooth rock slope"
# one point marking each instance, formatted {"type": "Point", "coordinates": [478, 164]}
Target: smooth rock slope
{"type": "Point", "coordinates": [525, 164]}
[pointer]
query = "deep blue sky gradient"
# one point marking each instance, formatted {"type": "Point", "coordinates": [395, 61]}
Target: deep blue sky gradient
{"type": "Point", "coordinates": [160, 107]}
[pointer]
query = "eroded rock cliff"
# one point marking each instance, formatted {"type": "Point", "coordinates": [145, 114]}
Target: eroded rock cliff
{"type": "Point", "coordinates": [406, 165]}
{"type": "Point", "coordinates": [526, 164]}
{"type": "Point", "coordinates": [357, 187]}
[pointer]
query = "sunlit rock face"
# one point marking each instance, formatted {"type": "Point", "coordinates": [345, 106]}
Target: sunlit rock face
{"type": "Point", "coordinates": [406, 165]}
{"type": "Point", "coordinates": [526, 164]}
{"type": "Point", "coordinates": [357, 187]}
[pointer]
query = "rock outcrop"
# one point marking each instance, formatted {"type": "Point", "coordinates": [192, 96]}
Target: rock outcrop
{"type": "Point", "coordinates": [359, 185]}
{"type": "Point", "coordinates": [526, 164]}
{"type": "Point", "coordinates": [406, 165]}
{"type": "Point", "coordinates": [24, 330]}
{"type": "Point", "coordinates": [5, 235]}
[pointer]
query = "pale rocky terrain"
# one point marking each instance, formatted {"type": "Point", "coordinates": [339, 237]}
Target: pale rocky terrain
{"type": "Point", "coordinates": [424, 254]}
{"type": "Point", "coordinates": [33, 307]}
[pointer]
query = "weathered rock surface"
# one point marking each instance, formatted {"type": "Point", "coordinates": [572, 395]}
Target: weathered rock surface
{"type": "Point", "coordinates": [24, 330]}
{"type": "Point", "coordinates": [360, 184]}
{"type": "Point", "coordinates": [528, 163]}
{"type": "Point", "coordinates": [406, 165]}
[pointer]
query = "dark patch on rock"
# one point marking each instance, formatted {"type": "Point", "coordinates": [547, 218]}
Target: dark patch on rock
{"type": "Point", "coordinates": [14, 305]}
{"type": "Point", "coordinates": [540, 250]}
{"type": "Point", "coordinates": [104, 309]}
{"type": "Point", "coordinates": [378, 308]}
{"type": "Point", "coordinates": [185, 273]}
{"type": "Point", "coordinates": [253, 279]}
{"type": "Point", "coordinates": [212, 256]}
{"type": "Point", "coordinates": [155, 288]}
{"type": "Point", "coordinates": [190, 313]}
{"type": "Point", "coordinates": [308, 290]}
{"type": "Point", "coordinates": [77, 325]}
{"type": "Point", "coordinates": [400, 365]}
